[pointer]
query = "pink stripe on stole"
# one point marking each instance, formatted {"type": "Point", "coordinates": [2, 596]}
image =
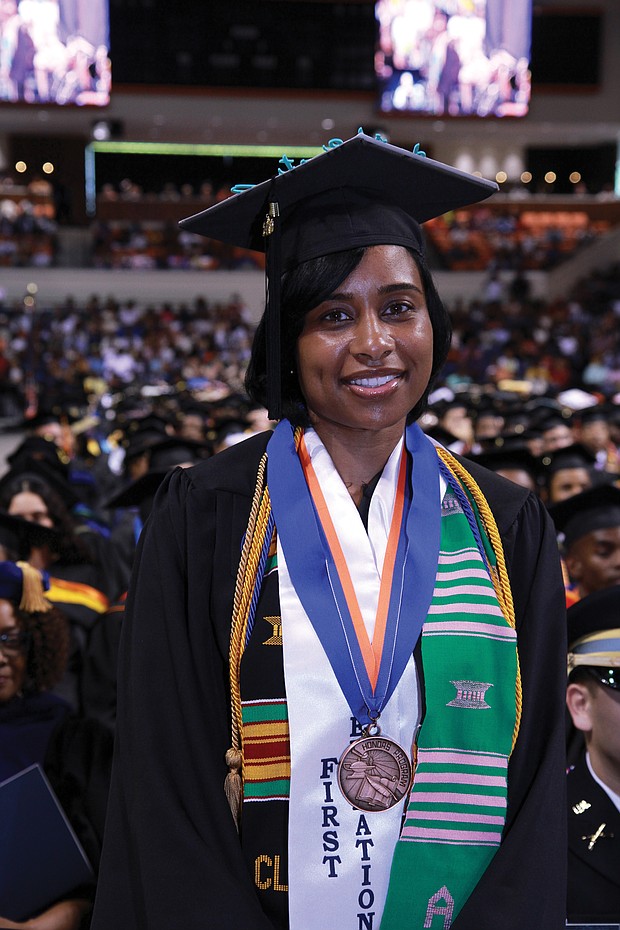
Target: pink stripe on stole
{"type": "Point", "coordinates": [459, 818]}
{"type": "Point", "coordinates": [461, 758]}
{"type": "Point", "coordinates": [465, 573]}
{"type": "Point", "coordinates": [464, 589]}
{"type": "Point", "coordinates": [453, 558]}
{"type": "Point", "coordinates": [470, 626]}
{"type": "Point", "coordinates": [450, 797]}
{"type": "Point", "coordinates": [454, 778]}
{"type": "Point", "coordinates": [487, 610]}
{"type": "Point", "coordinates": [461, 837]}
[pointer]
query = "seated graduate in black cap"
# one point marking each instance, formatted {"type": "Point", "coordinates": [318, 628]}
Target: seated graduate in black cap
{"type": "Point", "coordinates": [37, 727]}
{"type": "Point", "coordinates": [588, 525]}
{"type": "Point", "coordinates": [99, 670]}
{"type": "Point", "coordinates": [593, 701]}
{"type": "Point", "coordinates": [510, 457]}
{"type": "Point", "coordinates": [566, 472]}
{"type": "Point", "coordinates": [488, 424]}
{"type": "Point", "coordinates": [127, 506]}
{"type": "Point", "coordinates": [556, 431]}
{"type": "Point", "coordinates": [323, 608]}
{"type": "Point", "coordinates": [84, 570]}
{"type": "Point", "coordinates": [593, 430]}
{"type": "Point", "coordinates": [454, 417]}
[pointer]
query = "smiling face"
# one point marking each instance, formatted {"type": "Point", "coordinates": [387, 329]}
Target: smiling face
{"type": "Point", "coordinates": [12, 666]}
{"type": "Point", "coordinates": [365, 354]}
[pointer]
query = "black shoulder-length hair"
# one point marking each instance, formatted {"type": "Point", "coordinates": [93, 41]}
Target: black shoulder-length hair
{"type": "Point", "coordinates": [304, 288]}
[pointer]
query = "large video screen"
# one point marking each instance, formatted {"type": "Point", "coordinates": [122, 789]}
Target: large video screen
{"type": "Point", "coordinates": [55, 51]}
{"type": "Point", "coordinates": [454, 57]}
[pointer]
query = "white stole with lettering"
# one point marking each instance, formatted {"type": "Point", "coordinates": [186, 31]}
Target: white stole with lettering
{"type": "Point", "coordinates": [339, 858]}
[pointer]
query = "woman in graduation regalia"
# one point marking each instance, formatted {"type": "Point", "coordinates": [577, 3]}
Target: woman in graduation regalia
{"type": "Point", "coordinates": [341, 673]}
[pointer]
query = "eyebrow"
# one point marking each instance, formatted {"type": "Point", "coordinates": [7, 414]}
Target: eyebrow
{"type": "Point", "coordinates": [384, 289]}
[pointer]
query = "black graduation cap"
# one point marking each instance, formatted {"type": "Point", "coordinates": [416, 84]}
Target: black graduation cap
{"type": "Point", "coordinates": [230, 430]}
{"type": "Point", "coordinates": [573, 456]}
{"type": "Point", "coordinates": [595, 509]}
{"type": "Point", "coordinates": [45, 473]}
{"type": "Point", "coordinates": [19, 536]}
{"type": "Point", "coordinates": [142, 489]}
{"type": "Point", "coordinates": [554, 418]}
{"type": "Point", "coordinates": [508, 453]}
{"type": "Point", "coordinates": [43, 417]}
{"type": "Point", "coordinates": [595, 414]}
{"type": "Point", "coordinates": [440, 434]}
{"type": "Point", "coordinates": [176, 450]}
{"type": "Point", "coordinates": [154, 422]}
{"type": "Point", "coordinates": [165, 455]}
{"type": "Point", "coordinates": [594, 635]}
{"type": "Point", "coordinates": [143, 434]}
{"type": "Point", "coordinates": [485, 406]}
{"type": "Point", "coordinates": [39, 449]}
{"type": "Point", "coordinates": [361, 192]}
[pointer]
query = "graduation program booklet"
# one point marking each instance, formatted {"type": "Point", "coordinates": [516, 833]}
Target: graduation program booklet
{"type": "Point", "coordinates": [41, 859]}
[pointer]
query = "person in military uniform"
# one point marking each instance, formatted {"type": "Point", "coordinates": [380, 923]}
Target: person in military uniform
{"type": "Point", "coordinates": [593, 701]}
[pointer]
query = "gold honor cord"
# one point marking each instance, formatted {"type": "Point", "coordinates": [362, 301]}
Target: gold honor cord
{"type": "Point", "coordinates": [244, 589]}
{"type": "Point", "coordinates": [499, 576]}
{"type": "Point", "coordinates": [253, 545]}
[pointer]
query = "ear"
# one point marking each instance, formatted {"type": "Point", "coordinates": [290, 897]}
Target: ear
{"type": "Point", "coordinates": [574, 566]}
{"type": "Point", "coordinates": [579, 703]}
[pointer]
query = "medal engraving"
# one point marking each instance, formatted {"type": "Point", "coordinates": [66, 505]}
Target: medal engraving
{"type": "Point", "coordinates": [374, 773]}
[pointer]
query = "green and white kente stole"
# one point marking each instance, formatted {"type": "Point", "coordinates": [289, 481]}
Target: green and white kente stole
{"type": "Point", "coordinates": [457, 808]}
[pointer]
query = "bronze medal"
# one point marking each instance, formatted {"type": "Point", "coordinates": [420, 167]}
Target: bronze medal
{"type": "Point", "coordinates": [374, 773]}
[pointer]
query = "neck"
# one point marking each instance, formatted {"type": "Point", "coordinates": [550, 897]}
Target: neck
{"type": "Point", "coordinates": [358, 455]}
{"type": "Point", "coordinates": [605, 768]}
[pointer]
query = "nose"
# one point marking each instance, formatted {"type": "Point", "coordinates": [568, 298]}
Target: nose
{"type": "Point", "coordinates": [372, 341]}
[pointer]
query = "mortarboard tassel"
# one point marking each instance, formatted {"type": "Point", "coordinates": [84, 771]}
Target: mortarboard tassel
{"type": "Point", "coordinates": [272, 234]}
{"type": "Point", "coordinates": [33, 599]}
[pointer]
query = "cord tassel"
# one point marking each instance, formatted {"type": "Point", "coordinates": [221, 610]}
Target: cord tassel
{"type": "Point", "coordinates": [272, 234]}
{"type": "Point", "coordinates": [233, 785]}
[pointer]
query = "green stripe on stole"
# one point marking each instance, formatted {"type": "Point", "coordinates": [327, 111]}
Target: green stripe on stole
{"type": "Point", "coordinates": [457, 807]}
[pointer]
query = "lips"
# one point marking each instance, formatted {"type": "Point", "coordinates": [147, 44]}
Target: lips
{"type": "Point", "coordinates": [365, 384]}
{"type": "Point", "coordinates": [372, 382]}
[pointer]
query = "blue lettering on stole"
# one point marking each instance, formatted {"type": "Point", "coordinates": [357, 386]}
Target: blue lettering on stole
{"type": "Point", "coordinates": [331, 843]}
{"type": "Point", "coordinates": [357, 730]}
{"type": "Point", "coordinates": [366, 897]}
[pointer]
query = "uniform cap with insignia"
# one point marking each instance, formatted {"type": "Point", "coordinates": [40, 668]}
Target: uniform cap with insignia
{"type": "Point", "coordinates": [594, 636]}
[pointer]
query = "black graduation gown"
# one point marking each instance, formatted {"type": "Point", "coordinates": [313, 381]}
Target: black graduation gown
{"type": "Point", "coordinates": [593, 873]}
{"type": "Point", "coordinates": [99, 669]}
{"type": "Point", "coordinates": [172, 857]}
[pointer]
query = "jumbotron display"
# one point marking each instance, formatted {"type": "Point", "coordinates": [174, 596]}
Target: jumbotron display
{"type": "Point", "coordinates": [457, 58]}
{"type": "Point", "coordinates": [55, 52]}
